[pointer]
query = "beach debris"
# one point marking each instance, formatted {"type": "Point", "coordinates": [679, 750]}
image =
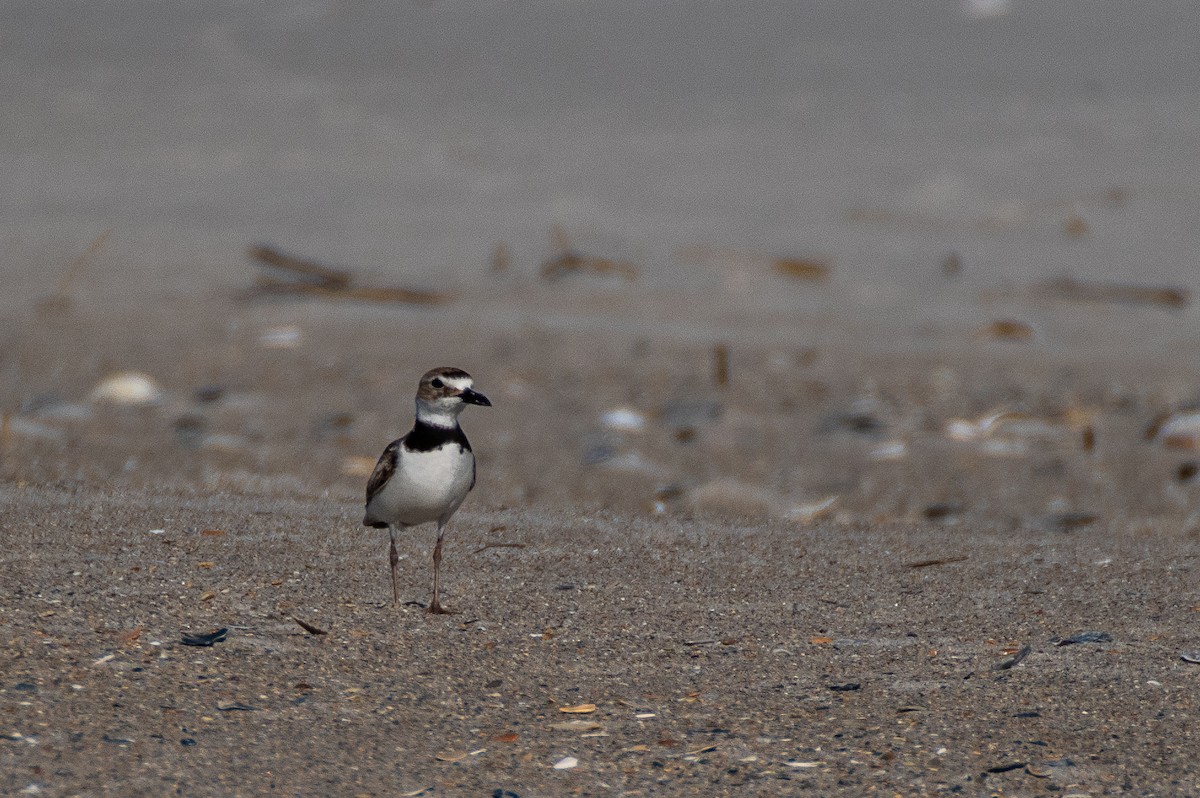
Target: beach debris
{"type": "Point", "coordinates": [667, 497]}
{"type": "Point", "coordinates": [810, 511]}
{"type": "Point", "coordinates": [1071, 289]}
{"type": "Point", "coordinates": [1006, 330]}
{"type": "Point", "coordinates": [357, 465]}
{"type": "Point", "coordinates": [575, 725]}
{"type": "Point", "coordinates": [506, 737]}
{"type": "Point", "coordinates": [1013, 660]}
{"type": "Point", "coordinates": [966, 430]}
{"type": "Point", "coordinates": [1191, 657]}
{"type": "Point", "coordinates": [685, 417]}
{"type": "Point", "coordinates": [453, 755]}
{"type": "Point", "coordinates": [501, 257]}
{"type": "Point", "coordinates": [1008, 433]}
{"type": "Point", "coordinates": [11, 426]}
{"type": "Point", "coordinates": [815, 267]}
{"type": "Point", "coordinates": [848, 687]}
{"type": "Point", "coordinates": [207, 394]}
{"type": "Point", "coordinates": [889, 451]}
{"type": "Point", "coordinates": [205, 640]}
{"type": "Point", "coordinates": [820, 640]}
{"type": "Point", "coordinates": [732, 499]}
{"type": "Point", "coordinates": [127, 388]}
{"type": "Point", "coordinates": [284, 336]}
{"type": "Point", "coordinates": [299, 269]}
{"type": "Point", "coordinates": [1006, 768]}
{"type": "Point", "coordinates": [939, 561]}
{"type": "Point", "coordinates": [1067, 521]}
{"type": "Point", "coordinates": [720, 357]}
{"type": "Point", "coordinates": [864, 418]}
{"type": "Point", "coordinates": [578, 709]}
{"type": "Point", "coordinates": [566, 763]}
{"type": "Point", "coordinates": [234, 706]}
{"type": "Point", "coordinates": [1075, 226]}
{"type": "Point", "coordinates": [291, 275]}
{"type": "Point", "coordinates": [941, 511]}
{"type": "Point", "coordinates": [61, 300]}
{"type": "Point", "coordinates": [571, 261]}
{"type": "Point", "coordinates": [308, 627]}
{"type": "Point", "coordinates": [798, 764]}
{"type": "Point", "coordinates": [1179, 430]}
{"type": "Point", "coordinates": [624, 419]}
{"type": "Point", "coordinates": [1082, 637]}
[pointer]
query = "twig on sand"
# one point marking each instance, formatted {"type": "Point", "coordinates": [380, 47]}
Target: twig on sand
{"type": "Point", "coordinates": [1115, 293]}
{"type": "Point", "coordinates": [303, 277]}
{"type": "Point", "coordinates": [61, 298]}
{"type": "Point", "coordinates": [308, 627]}
{"type": "Point", "coordinates": [941, 561]}
{"type": "Point", "coordinates": [570, 260]}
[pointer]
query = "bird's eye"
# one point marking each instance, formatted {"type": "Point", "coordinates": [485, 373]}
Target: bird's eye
{"type": "Point", "coordinates": [437, 383]}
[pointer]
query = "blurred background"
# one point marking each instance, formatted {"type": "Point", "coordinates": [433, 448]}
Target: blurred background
{"type": "Point", "coordinates": [756, 257]}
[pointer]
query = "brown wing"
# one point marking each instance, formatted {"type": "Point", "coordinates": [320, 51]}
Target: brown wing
{"type": "Point", "coordinates": [382, 473]}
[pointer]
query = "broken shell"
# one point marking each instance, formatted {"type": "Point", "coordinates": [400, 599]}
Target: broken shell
{"type": "Point", "coordinates": [575, 725]}
{"type": "Point", "coordinates": [624, 419]}
{"type": "Point", "coordinates": [889, 450]}
{"type": "Point", "coordinates": [1180, 431]}
{"type": "Point", "coordinates": [287, 336]}
{"type": "Point", "coordinates": [127, 388]}
{"type": "Point", "coordinates": [566, 763]}
{"type": "Point", "coordinates": [811, 511]}
{"type": "Point", "coordinates": [579, 709]}
{"type": "Point", "coordinates": [961, 429]}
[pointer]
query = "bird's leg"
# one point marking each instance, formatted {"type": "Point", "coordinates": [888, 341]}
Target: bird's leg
{"type": "Point", "coordinates": [435, 606]}
{"type": "Point", "coordinates": [393, 561]}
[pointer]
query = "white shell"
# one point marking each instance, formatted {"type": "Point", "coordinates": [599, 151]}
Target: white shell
{"type": "Point", "coordinates": [127, 388]}
{"type": "Point", "coordinates": [624, 419]}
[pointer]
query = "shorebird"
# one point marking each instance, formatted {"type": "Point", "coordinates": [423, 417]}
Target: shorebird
{"type": "Point", "coordinates": [425, 475]}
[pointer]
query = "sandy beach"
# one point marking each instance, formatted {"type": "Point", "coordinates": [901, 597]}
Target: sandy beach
{"type": "Point", "coordinates": [843, 368]}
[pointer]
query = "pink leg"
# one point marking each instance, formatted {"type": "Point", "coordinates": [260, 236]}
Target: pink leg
{"type": "Point", "coordinates": [393, 561]}
{"type": "Point", "coordinates": [435, 606]}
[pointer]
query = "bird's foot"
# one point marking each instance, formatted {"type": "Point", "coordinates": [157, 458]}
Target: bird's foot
{"type": "Point", "coordinates": [437, 609]}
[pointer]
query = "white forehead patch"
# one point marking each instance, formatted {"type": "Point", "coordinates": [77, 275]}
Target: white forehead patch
{"type": "Point", "coordinates": [458, 383]}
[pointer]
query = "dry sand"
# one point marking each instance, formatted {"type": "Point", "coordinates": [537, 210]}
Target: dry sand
{"type": "Point", "coordinates": [669, 575]}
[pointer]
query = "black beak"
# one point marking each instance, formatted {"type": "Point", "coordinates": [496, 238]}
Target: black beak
{"type": "Point", "coordinates": [473, 397]}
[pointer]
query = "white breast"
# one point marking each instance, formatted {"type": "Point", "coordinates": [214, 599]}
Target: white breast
{"type": "Point", "coordinates": [426, 486]}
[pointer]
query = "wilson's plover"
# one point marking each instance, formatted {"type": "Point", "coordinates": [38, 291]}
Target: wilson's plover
{"type": "Point", "coordinates": [425, 475]}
